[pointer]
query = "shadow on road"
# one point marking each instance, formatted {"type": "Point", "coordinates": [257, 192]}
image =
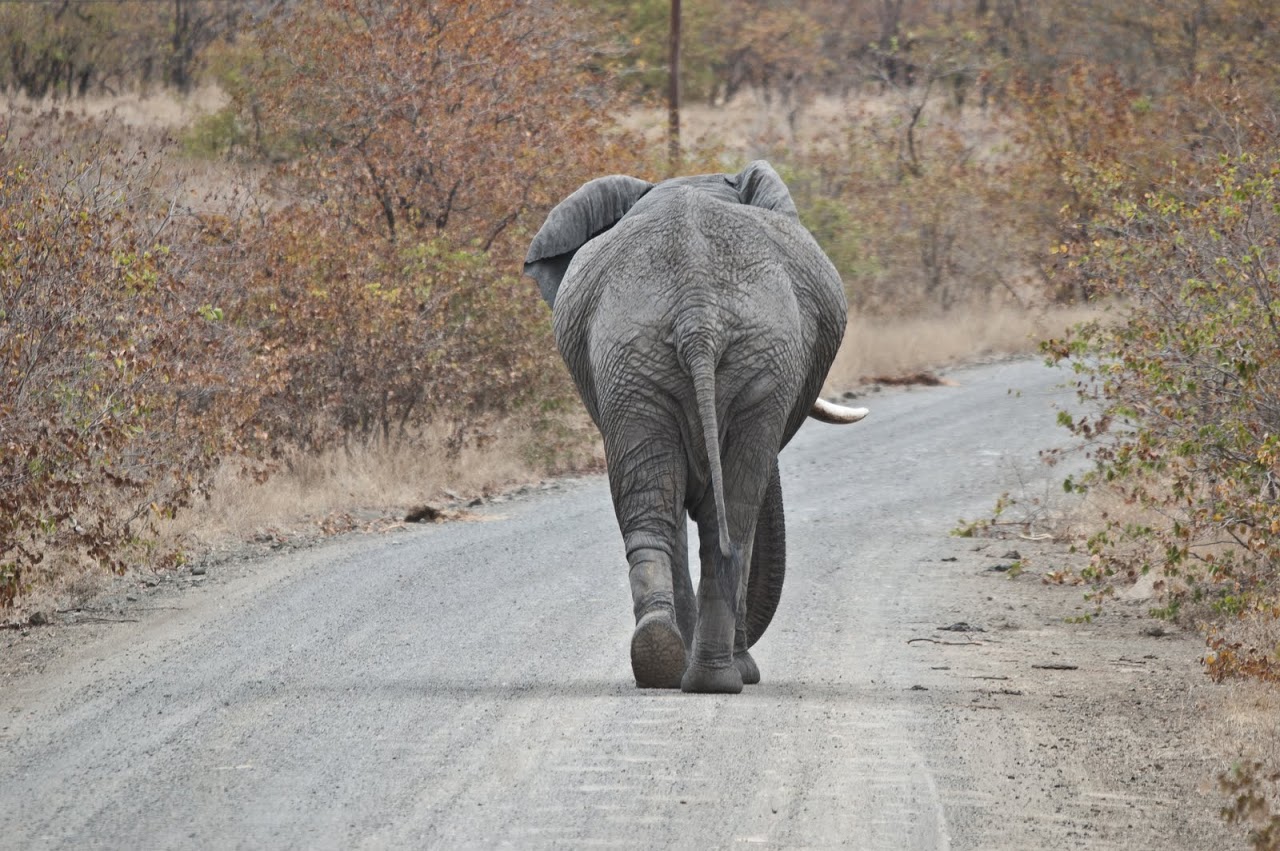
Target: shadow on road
{"type": "Point", "coordinates": [437, 687]}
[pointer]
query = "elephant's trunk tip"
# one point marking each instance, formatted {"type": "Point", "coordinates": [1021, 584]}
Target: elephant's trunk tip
{"type": "Point", "coordinates": [829, 412]}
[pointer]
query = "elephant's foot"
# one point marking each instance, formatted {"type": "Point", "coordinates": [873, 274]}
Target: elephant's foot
{"type": "Point", "coordinates": [657, 651]}
{"type": "Point", "coordinates": [699, 678]}
{"type": "Point", "coordinates": [747, 667]}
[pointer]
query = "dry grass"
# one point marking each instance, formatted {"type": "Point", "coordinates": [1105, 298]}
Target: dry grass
{"type": "Point", "coordinates": [1249, 723]}
{"type": "Point", "coordinates": [66, 580]}
{"type": "Point", "coordinates": [161, 110]}
{"type": "Point", "coordinates": [150, 129]}
{"type": "Point", "coordinates": [876, 346]}
{"type": "Point", "coordinates": [1245, 727]}
{"type": "Point", "coordinates": [378, 481]}
{"type": "Point", "coordinates": [752, 125]}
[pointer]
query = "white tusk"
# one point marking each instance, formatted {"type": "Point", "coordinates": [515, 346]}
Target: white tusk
{"type": "Point", "coordinates": [829, 412]}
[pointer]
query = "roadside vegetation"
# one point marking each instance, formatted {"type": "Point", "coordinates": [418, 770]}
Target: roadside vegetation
{"type": "Point", "coordinates": [320, 275]}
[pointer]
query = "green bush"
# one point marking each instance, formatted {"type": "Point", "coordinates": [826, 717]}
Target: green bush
{"type": "Point", "coordinates": [1185, 385]}
{"type": "Point", "coordinates": [216, 134]}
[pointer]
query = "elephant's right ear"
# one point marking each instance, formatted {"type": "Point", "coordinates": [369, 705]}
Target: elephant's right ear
{"type": "Point", "coordinates": [760, 186]}
{"type": "Point", "coordinates": [575, 221]}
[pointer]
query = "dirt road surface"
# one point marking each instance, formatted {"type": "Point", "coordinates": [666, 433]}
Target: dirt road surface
{"type": "Point", "coordinates": [467, 685]}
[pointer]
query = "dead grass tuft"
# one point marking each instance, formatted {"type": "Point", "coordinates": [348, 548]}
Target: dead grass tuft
{"type": "Point", "coordinates": [65, 580]}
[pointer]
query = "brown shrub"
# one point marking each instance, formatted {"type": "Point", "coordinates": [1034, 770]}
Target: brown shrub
{"type": "Point", "coordinates": [118, 373]}
{"type": "Point", "coordinates": [417, 120]}
{"type": "Point", "coordinates": [368, 343]}
{"type": "Point", "coordinates": [421, 143]}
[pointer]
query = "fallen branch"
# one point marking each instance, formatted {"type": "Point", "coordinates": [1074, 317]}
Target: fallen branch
{"type": "Point", "coordinates": [948, 643]}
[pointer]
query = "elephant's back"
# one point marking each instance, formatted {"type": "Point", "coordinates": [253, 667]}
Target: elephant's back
{"type": "Point", "coordinates": [684, 259]}
{"type": "Point", "coordinates": [686, 243]}
{"type": "Point", "coordinates": [684, 267]}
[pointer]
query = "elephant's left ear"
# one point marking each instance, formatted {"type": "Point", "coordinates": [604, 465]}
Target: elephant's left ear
{"type": "Point", "coordinates": [759, 185]}
{"type": "Point", "coordinates": [590, 211]}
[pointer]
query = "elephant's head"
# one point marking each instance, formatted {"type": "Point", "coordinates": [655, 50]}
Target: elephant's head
{"type": "Point", "coordinates": [601, 203]}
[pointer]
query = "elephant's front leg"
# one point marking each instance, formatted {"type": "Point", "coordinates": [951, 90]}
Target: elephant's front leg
{"type": "Point", "coordinates": [762, 586]}
{"type": "Point", "coordinates": [682, 587]}
{"type": "Point", "coordinates": [742, 658]}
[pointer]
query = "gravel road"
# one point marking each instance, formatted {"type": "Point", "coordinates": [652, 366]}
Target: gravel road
{"type": "Point", "coordinates": [468, 684]}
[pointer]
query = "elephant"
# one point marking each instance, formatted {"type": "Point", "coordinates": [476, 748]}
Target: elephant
{"type": "Point", "coordinates": [698, 318]}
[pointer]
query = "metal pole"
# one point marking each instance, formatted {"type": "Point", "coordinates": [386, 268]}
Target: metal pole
{"type": "Point", "coordinates": [673, 93]}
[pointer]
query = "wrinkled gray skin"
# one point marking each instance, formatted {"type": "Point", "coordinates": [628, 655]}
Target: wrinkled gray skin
{"type": "Point", "coordinates": [699, 319]}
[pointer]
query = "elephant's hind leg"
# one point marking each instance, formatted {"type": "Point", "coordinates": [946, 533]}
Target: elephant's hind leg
{"type": "Point", "coordinates": [743, 660]}
{"type": "Point", "coordinates": [657, 646]}
{"type": "Point", "coordinates": [664, 625]}
{"type": "Point", "coordinates": [646, 476]}
{"type": "Point", "coordinates": [682, 587]}
{"type": "Point", "coordinates": [720, 661]}
{"type": "Point", "coordinates": [657, 651]}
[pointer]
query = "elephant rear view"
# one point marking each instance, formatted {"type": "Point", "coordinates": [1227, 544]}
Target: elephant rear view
{"type": "Point", "coordinates": [698, 318]}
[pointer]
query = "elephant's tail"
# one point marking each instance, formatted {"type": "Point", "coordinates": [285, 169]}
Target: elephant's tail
{"type": "Point", "coordinates": [701, 364]}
